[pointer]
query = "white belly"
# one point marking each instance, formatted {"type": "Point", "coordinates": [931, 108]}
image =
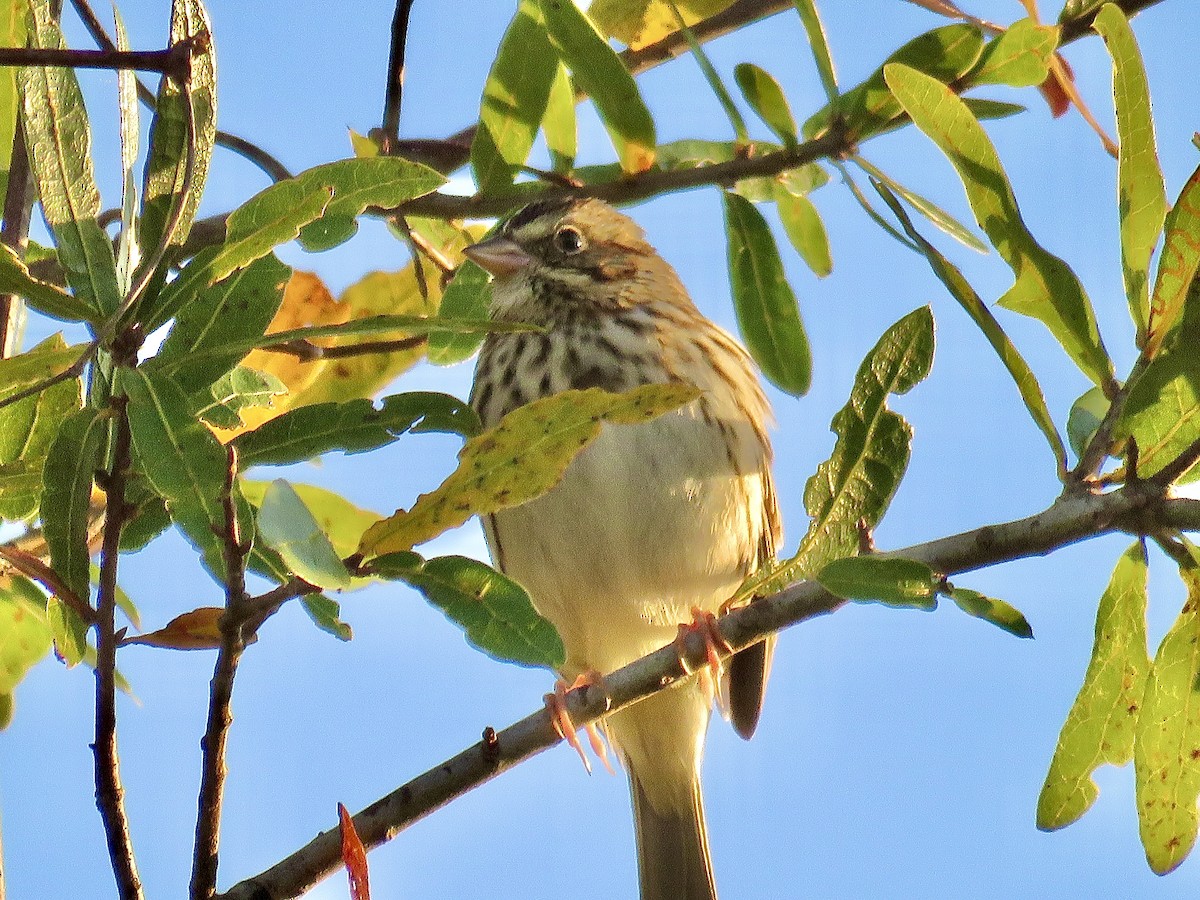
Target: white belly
{"type": "Point", "coordinates": [635, 536]}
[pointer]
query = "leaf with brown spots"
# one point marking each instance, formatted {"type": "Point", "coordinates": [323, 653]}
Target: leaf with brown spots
{"type": "Point", "coordinates": [1100, 726]}
{"type": "Point", "coordinates": [1168, 734]}
{"type": "Point", "coordinates": [199, 629]}
{"type": "Point", "coordinates": [522, 457]}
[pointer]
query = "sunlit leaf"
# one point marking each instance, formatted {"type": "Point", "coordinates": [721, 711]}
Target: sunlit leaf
{"type": "Point", "coordinates": [599, 72]}
{"type": "Point", "coordinates": [641, 22]}
{"type": "Point", "coordinates": [1019, 57]}
{"type": "Point", "coordinates": [1177, 265]}
{"type": "Point", "coordinates": [493, 610]}
{"type": "Point", "coordinates": [13, 21]}
{"type": "Point", "coordinates": [235, 391]}
{"type": "Point", "coordinates": [805, 230]}
{"type": "Point", "coordinates": [766, 98]}
{"type": "Point", "coordinates": [1100, 726]}
{"type": "Point", "coordinates": [46, 360]}
{"type": "Point", "coordinates": [515, 99]}
{"type": "Point", "coordinates": [945, 54]}
{"type": "Point", "coordinates": [70, 467]}
{"type": "Point", "coordinates": [1045, 287]}
{"type": "Point", "coordinates": [24, 635]}
{"type": "Point", "coordinates": [466, 296]}
{"type": "Point", "coordinates": [169, 134]}
{"type": "Point", "coordinates": [1142, 196]}
{"type": "Point", "coordinates": [559, 124]}
{"type": "Point", "coordinates": [59, 142]}
{"type": "Point", "coordinates": [1165, 758]}
{"type": "Point", "coordinates": [887, 580]}
{"type": "Point", "coordinates": [522, 457]}
{"type": "Point", "coordinates": [1003, 615]}
{"type": "Point", "coordinates": [927, 208]}
{"type": "Point", "coordinates": [42, 296]}
{"type": "Point", "coordinates": [184, 462]}
{"type": "Point", "coordinates": [286, 525]}
{"type": "Point", "coordinates": [198, 629]}
{"type": "Point", "coordinates": [959, 288]}
{"type": "Point", "coordinates": [1087, 412]}
{"type": "Point", "coordinates": [767, 312]}
{"type": "Point", "coordinates": [127, 104]}
{"type": "Point", "coordinates": [819, 45]}
{"type": "Point", "coordinates": [852, 489]}
{"type": "Point", "coordinates": [340, 520]}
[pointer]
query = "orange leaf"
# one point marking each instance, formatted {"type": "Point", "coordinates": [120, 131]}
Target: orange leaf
{"type": "Point", "coordinates": [199, 629]}
{"type": "Point", "coordinates": [1056, 95]}
{"type": "Point", "coordinates": [354, 856]}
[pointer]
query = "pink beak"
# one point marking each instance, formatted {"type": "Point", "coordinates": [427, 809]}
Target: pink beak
{"type": "Point", "coordinates": [499, 256]}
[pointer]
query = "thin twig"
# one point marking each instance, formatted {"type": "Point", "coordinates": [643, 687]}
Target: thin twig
{"type": "Point", "coordinates": [220, 716]}
{"type": "Point", "coordinates": [395, 76]}
{"type": "Point", "coordinates": [32, 567]}
{"type": "Point", "coordinates": [110, 795]}
{"type": "Point", "coordinates": [1072, 518]}
{"type": "Point", "coordinates": [274, 169]}
{"type": "Point", "coordinates": [175, 61]}
{"type": "Point", "coordinates": [14, 232]}
{"type": "Point", "coordinates": [309, 352]}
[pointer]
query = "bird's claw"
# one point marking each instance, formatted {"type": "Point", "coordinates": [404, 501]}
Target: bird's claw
{"type": "Point", "coordinates": [705, 624]}
{"type": "Point", "coordinates": [556, 706]}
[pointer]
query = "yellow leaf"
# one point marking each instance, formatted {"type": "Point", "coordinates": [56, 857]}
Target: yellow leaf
{"type": "Point", "coordinates": [199, 629]}
{"type": "Point", "coordinates": [522, 457]}
{"type": "Point", "coordinates": [641, 22]}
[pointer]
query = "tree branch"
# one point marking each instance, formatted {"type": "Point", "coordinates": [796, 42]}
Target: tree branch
{"type": "Point", "coordinates": [1072, 518]}
{"type": "Point", "coordinates": [175, 61]}
{"type": "Point", "coordinates": [395, 76]}
{"type": "Point", "coordinates": [14, 232]}
{"type": "Point", "coordinates": [220, 717]}
{"type": "Point", "coordinates": [110, 795]}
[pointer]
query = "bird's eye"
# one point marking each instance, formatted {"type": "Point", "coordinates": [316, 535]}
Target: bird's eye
{"type": "Point", "coordinates": [568, 240]}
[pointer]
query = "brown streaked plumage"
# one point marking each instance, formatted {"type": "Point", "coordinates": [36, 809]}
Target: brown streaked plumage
{"type": "Point", "coordinates": [652, 520]}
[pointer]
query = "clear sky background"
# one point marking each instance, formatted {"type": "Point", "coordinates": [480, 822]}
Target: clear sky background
{"type": "Point", "coordinates": [900, 754]}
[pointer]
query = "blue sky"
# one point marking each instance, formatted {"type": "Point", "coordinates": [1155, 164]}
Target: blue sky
{"type": "Point", "coordinates": [900, 754]}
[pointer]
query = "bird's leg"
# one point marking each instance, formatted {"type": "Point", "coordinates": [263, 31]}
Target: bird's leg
{"type": "Point", "coordinates": [556, 705]}
{"type": "Point", "coordinates": [704, 623]}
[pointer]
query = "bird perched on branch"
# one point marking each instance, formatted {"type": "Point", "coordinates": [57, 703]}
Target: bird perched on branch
{"type": "Point", "coordinates": [654, 525]}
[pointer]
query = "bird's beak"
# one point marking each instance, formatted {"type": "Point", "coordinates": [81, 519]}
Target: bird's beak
{"type": "Point", "coordinates": [499, 256]}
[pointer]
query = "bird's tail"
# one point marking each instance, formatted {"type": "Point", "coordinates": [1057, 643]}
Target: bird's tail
{"type": "Point", "coordinates": [661, 741]}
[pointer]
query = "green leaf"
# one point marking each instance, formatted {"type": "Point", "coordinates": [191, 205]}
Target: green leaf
{"type": "Point", "coordinates": [149, 521]}
{"type": "Point", "coordinates": [1018, 369]}
{"type": "Point", "coordinates": [13, 23]}
{"type": "Point", "coordinates": [1085, 417]}
{"type": "Point", "coordinates": [71, 464]}
{"type": "Point", "coordinates": [59, 142]}
{"type": "Point", "coordinates": [465, 297]}
{"type": "Point", "coordinates": [183, 460]}
{"type": "Point", "coordinates": [852, 489]}
{"type": "Point", "coordinates": [42, 296]}
{"type": "Point", "coordinates": [1177, 266]}
{"type": "Point", "coordinates": [927, 208]}
{"type": "Point", "coordinates": [1142, 196]}
{"type": "Point", "coordinates": [1045, 287]}
{"type": "Point", "coordinates": [237, 390]}
{"type": "Point", "coordinates": [24, 635]}
{"type": "Point", "coordinates": [515, 99]}
{"type": "Point", "coordinates": [891, 581]}
{"type": "Point", "coordinates": [819, 45]}
{"type": "Point", "coordinates": [204, 341]}
{"type": "Point", "coordinates": [286, 526]}
{"type": "Point", "coordinates": [1100, 726]}
{"type": "Point", "coordinates": [641, 22]}
{"type": "Point", "coordinates": [68, 631]}
{"type": "Point", "coordinates": [522, 457]}
{"type": "Point", "coordinates": [945, 54]}
{"type": "Point", "coordinates": [1165, 762]}
{"type": "Point", "coordinates": [166, 159]}
{"type": "Point", "coordinates": [127, 105]}
{"type": "Point", "coordinates": [600, 73]}
{"type": "Point", "coordinates": [352, 426]}
{"type": "Point", "coordinates": [767, 312]}
{"type": "Point", "coordinates": [326, 615]}
{"type": "Point", "coordinates": [48, 359]}
{"type": "Point", "coordinates": [339, 519]}
{"type": "Point", "coordinates": [766, 98]}
{"type": "Point", "coordinates": [1019, 57]}
{"type": "Point", "coordinates": [493, 610]}
{"type": "Point", "coordinates": [983, 109]}
{"type": "Point", "coordinates": [1002, 615]}
{"type": "Point", "coordinates": [559, 123]}
{"type": "Point", "coordinates": [805, 230]}
{"type": "Point", "coordinates": [715, 84]}
{"type": "Point", "coordinates": [334, 193]}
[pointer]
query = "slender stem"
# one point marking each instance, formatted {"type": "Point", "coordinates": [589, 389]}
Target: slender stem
{"type": "Point", "coordinates": [175, 61]}
{"type": "Point", "coordinates": [395, 77]}
{"type": "Point", "coordinates": [14, 232]}
{"type": "Point", "coordinates": [220, 716]}
{"type": "Point", "coordinates": [1072, 518]}
{"type": "Point", "coordinates": [110, 795]}
{"type": "Point", "coordinates": [308, 351]}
